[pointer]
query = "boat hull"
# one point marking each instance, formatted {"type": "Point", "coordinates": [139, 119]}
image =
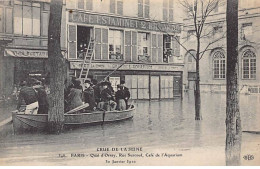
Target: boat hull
{"type": "Point", "coordinates": [38, 123]}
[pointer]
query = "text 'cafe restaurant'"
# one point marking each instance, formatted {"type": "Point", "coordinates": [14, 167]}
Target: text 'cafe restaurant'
{"type": "Point", "coordinates": [141, 46]}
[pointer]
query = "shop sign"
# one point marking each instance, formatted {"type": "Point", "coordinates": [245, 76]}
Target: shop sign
{"type": "Point", "coordinates": [113, 66]}
{"type": "Point", "coordinates": [79, 17]}
{"type": "Point", "coordinates": [26, 53]}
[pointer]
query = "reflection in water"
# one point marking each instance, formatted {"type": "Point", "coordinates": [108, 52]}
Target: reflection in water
{"type": "Point", "coordinates": [156, 124]}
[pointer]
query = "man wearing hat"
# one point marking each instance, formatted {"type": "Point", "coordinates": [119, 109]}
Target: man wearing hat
{"type": "Point", "coordinates": [126, 92]}
{"type": "Point", "coordinates": [89, 96]}
{"type": "Point", "coordinates": [107, 102]}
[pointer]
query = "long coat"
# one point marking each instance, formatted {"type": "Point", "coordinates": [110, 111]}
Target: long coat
{"type": "Point", "coordinates": [89, 97]}
{"type": "Point", "coordinates": [74, 98]}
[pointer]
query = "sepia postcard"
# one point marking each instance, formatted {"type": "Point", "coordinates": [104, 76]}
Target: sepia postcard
{"type": "Point", "coordinates": [129, 83]}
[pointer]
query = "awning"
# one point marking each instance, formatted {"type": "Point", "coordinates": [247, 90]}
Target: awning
{"type": "Point", "coordinates": [26, 53]}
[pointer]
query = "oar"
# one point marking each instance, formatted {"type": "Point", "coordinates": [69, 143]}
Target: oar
{"type": "Point", "coordinates": [115, 70]}
{"type": "Point", "coordinates": [78, 108]}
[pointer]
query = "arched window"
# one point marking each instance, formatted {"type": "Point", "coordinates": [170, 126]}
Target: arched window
{"type": "Point", "coordinates": [219, 65]}
{"type": "Point", "coordinates": [249, 64]}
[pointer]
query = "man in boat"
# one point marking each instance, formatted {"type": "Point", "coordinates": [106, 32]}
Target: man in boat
{"type": "Point", "coordinates": [42, 98]}
{"type": "Point", "coordinates": [107, 102]}
{"type": "Point", "coordinates": [88, 96]}
{"type": "Point", "coordinates": [120, 100]}
{"type": "Point", "coordinates": [75, 96]}
{"type": "Point", "coordinates": [126, 92]}
{"type": "Point", "coordinates": [29, 97]}
{"type": "Point", "coordinates": [95, 86]}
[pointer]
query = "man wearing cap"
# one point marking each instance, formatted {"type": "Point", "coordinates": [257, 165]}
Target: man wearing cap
{"type": "Point", "coordinates": [29, 96]}
{"type": "Point", "coordinates": [89, 96]}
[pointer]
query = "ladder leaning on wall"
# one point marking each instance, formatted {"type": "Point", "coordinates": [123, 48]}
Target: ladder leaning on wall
{"type": "Point", "coordinates": [87, 60]}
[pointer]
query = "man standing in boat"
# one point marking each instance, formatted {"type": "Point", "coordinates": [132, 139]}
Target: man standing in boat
{"type": "Point", "coordinates": [126, 92]}
{"type": "Point", "coordinates": [89, 96]}
{"type": "Point", "coordinates": [28, 96]}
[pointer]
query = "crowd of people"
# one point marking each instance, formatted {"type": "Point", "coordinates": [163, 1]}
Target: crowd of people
{"type": "Point", "coordinates": [98, 95]}
{"type": "Point", "coordinates": [33, 97]}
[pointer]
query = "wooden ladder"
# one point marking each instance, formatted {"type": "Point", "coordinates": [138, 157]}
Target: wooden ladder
{"type": "Point", "coordinates": [88, 56]}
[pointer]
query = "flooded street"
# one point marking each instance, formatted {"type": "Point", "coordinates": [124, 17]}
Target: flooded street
{"type": "Point", "coordinates": [157, 126]}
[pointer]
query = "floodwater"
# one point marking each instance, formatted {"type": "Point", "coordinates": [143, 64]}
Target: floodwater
{"type": "Point", "coordinates": [166, 126]}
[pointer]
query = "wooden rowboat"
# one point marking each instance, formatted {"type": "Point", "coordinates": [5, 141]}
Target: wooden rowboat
{"type": "Point", "coordinates": [38, 122]}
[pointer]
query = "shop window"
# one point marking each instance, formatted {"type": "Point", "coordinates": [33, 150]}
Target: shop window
{"type": "Point", "coordinates": [219, 65]}
{"type": "Point", "coordinates": [249, 65]}
{"type": "Point", "coordinates": [83, 37]}
{"type": "Point", "coordinates": [1, 20]}
{"type": "Point", "coordinates": [116, 7]}
{"type": "Point", "coordinates": [144, 8]}
{"type": "Point", "coordinates": [115, 45]}
{"type": "Point", "coordinates": [27, 18]}
{"type": "Point", "coordinates": [143, 47]}
{"type": "Point", "coordinates": [168, 10]}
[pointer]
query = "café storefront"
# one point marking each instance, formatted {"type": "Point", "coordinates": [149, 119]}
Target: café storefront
{"type": "Point", "coordinates": [145, 81]}
{"type": "Point", "coordinates": [149, 71]}
{"type": "Point", "coordinates": [24, 64]}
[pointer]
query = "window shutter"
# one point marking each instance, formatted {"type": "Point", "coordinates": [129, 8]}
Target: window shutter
{"type": "Point", "coordinates": [105, 44]}
{"type": "Point", "coordinates": [147, 8]}
{"type": "Point", "coordinates": [176, 47]}
{"type": "Point", "coordinates": [1, 20]}
{"type": "Point", "coordinates": [72, 41]}
{"type": "Point", "coordinates": [71, 4]}
{"type": "Point", "coordinates": [120, 7]}
{"type": "Point", "coordinates": [98, 44]}
{"type": "Point", "coordinates": [170, 14]}
{"type": "Point", "coordinates": [112, 6]}
{"type": "Point", "coordinates": [154, 49]}
{"type": "Point", "coordinates": [81, 4]}
{"type": "Point", "coordinates": [134, 46]}
{"type": "Point", "coordinates": [89, 4]}
{"type": "Point", "coordinates": [140, 8]}
{"type": "Point", "coordinates": [45, 23]}
{"type": "Point", "coordinates": [8, 20]}
{"type": "Point", "coordinates": [128, 46]}
{"type": "Point", "coordinates": [160, 48]}
{"type": "Point", "coordinates": [165, 10]}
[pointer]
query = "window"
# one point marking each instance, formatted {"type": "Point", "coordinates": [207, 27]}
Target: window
{"type": "Point", "coordinates": [191, 35]}
{"type": "Point", "coordinates": [115, 44]}
{"type": "Point", "coordinates": [191, 56]}
{"type": "Point", "coordinates": [27, 18]}
{"type": "Point", "coordinates": [143, 46]}
{"type": "Point", "coordinates": [246, 30]}
{"type": "Point", "coordinates": [116, 7]}
{"type": "Point", "coordinates": [144, 8]}
{"type": "Point", "coordinates": [85, 4]}
{"type": "Point", "coordinates": [168, 10]}
{"type": "Point", "coordinates": [249, 65]}
{"type": "Point", "coordinates": [217, 29]}
{"type": "Point", "coordinates": [167, 48]}
{"type": "Point", "coordinates": [219, 65]}
{"type": "Point", "coordinates": [83, 41]}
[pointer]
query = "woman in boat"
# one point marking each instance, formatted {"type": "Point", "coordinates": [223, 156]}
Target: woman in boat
{"type": "Point", "coordinates": [88, 96]}
{"type": "Point", "coordinates": [120, 98]}
{"type": "Point", "coordinates": [74, 98]}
